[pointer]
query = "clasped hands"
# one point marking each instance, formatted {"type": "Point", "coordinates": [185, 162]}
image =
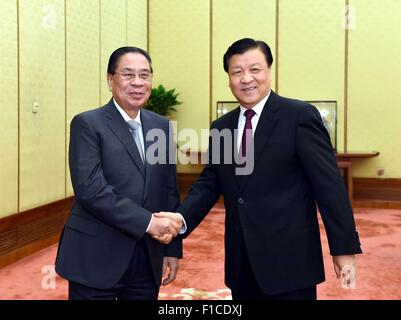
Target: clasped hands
{"type": "Point", "coordinates": [165, 226]}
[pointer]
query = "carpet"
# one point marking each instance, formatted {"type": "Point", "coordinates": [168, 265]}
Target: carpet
{"type": "Point", "coordinates": [201, 274]}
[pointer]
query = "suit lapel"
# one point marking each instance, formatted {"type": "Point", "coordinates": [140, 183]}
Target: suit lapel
{"type": "Point", "coordinates": [267, 122]}
{"type": "Point", "coordinates": [147, 125]}
{"type": "Point", "coordinates": [233, 126]}
{"type": "Point", "coordinates": [117, 125]}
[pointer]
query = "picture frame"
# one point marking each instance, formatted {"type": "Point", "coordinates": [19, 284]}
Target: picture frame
{"type": "Point", "coordinates": [328, 112]}
{"type": "Point", "coordinates": [225, 106]}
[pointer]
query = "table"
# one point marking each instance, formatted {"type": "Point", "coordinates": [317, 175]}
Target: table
{"type": "Point", "coordinates": [344, 161]}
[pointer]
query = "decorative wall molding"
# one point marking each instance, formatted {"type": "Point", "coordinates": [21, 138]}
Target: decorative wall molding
{"type": "Point", "coordinates": [28, 232]}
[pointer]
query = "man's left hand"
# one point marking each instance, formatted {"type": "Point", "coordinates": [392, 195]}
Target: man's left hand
{"type": "Point", "coordinates": [345, 267]}
{"type": "Point", "coordinates": [170, 268]}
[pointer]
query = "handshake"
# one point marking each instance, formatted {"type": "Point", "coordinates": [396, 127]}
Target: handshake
{"type": "Point", "coordinates": [165, 226]}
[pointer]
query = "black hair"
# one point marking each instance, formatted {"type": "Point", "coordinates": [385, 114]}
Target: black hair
{"type": "Point", "coordinates": [243, 45]}
{"type": "Point", "coordinates": [117, 54]}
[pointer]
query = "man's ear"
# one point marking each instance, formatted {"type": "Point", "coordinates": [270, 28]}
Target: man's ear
{"type": "Point", "coordinates": [270, 73]}
{"type": "Point", "coordinates": [109, 81]}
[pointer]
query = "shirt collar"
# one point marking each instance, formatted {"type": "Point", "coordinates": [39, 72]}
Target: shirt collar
{"type": "Point", "coordinates": [257, 108]}
{"type": "Point", "coordinates": [125, 115]}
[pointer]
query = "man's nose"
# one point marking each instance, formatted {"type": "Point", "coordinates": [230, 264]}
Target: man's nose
{"type": "Point", "coordinates": [136, 81]}
{"type": "Point", "coordinates": [246, 77]}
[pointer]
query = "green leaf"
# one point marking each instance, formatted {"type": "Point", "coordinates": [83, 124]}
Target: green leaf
{"type": "Point", "coordinates": [162, 101]}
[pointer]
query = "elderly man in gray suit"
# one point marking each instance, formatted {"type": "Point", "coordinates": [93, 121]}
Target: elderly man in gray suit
{"type": "Point", "coordinates": [107, 249]}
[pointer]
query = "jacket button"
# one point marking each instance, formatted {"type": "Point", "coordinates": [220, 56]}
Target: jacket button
{"type": "Point", "coordinates": [241, 201]}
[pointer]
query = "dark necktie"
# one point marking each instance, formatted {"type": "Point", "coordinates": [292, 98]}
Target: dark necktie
{"type": "Point", "coordinates": [247, 135]}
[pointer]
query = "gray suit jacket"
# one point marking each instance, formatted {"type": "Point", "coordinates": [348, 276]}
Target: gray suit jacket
{"type": "Point", "coordinates": [115, 196]}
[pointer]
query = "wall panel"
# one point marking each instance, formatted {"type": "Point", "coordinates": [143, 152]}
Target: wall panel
{"type": "Point", "coordinates": [179, 46]}
{"type": "Point", "coordinates": [113, 33]}
{"type": "Point", "coordinates": [82, 62]}
{"type": "Point", "coordinates": [312, 53]}
{"type": "Point", "coordinates": [8, 108]}
{"type": "Point", "coordinates": [42, 81]}
{"type": "Point", "coordinates": [374, 91]}
{"type": "Point", "coordinates": [137, 16]}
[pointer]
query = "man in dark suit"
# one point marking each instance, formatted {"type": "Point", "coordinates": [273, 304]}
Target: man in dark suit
{"type": "Point", "coordinates": [106, 250]}
{"type": "Point", "coordinates": [272, 240]}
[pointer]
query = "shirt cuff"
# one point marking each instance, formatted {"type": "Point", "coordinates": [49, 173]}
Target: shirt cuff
{"type": "Point", "coordinates": [184, 224]}
{"type": "Point", "coordinates": [150, 222]}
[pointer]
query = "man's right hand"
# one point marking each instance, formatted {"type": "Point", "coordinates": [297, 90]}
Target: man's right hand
{"type": "Point", "coordinates": [165, 227]}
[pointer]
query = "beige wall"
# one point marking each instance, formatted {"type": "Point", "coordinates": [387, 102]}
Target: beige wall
{"type": "Point", "coordinates": [374, 86]}
{"type": "Point", "coordinates": [8, 109]}
{"type": "Point", "coordinates": [187, 43]}
{"type": "Point", "coordinates": [311, 63]}
{"type": "Point", "coordinates": [179, 46]}
{"type": "Point", "coordinates": [113, 34]}
{"type": "Point", "coordinates": [312, 53]}
{"type": "Point", "coordinates": [42, 66]}
{"type": "Point", "coordinates": [137, 23]}
{"type": "Point", "coordinates": [53, 52]}
{"type": "Point", "coordinates": [83, 76]}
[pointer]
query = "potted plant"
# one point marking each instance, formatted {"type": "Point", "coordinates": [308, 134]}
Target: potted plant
{"type": "Point", "coordinates": [162, 101]}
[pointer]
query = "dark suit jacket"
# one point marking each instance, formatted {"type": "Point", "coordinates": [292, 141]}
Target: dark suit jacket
{"type": "Point", "coordinates": [274, 208]}
{"type": "Point", "coordinates": [115, 196]}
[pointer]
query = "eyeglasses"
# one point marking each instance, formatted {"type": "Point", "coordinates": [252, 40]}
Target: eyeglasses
{"type": "Point", "coordinates": [144, 76]}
